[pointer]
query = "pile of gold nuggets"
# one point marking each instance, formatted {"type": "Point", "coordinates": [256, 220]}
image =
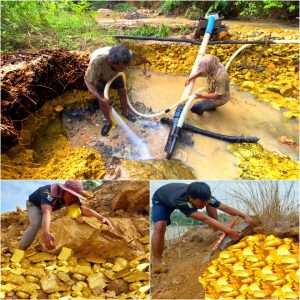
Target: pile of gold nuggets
{"type": "Point", "coordinates": [41, 275]}
{"type": "Point", "coordinates": [258, 267]}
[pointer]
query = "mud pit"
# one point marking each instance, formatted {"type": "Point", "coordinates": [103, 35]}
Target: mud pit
{"type": "Point", "coordinates": [68, 143]}
{"type": "Point", "coordinates": [103, 264]}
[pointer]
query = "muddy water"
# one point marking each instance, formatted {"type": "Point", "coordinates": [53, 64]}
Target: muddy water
{"type": "Point", "coordinates": [209, 158]}
{"type": "Point", "coordinates": [243, 115]}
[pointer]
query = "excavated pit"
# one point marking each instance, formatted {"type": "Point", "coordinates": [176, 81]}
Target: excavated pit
{"type": "Point", "coordinates": [103, 263]}
{"type": "Point", "coordinates": [61, 138]}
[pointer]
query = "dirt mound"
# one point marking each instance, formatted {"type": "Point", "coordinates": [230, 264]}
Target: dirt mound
{"type": "Point", "coordinates": [27, 85]}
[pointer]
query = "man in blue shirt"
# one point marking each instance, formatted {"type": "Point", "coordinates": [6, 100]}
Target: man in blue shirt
{"type": "Point", "coordinates": [47, 199]}
{"type": "Point", "coordinates": [188, 198]}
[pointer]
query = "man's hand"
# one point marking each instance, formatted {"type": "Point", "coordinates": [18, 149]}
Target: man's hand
{"type": "Point", "coordinates": [249, 220]}
{"type": "Point", "coordinates": [106, 101]}
{"type": "Point", "coordinates": [49, 238]}
{"type": "Point", "coordinates": [234, 234]}
{"type": "Point", "coordinates": [187, 82]}
{"type": "Point", "coordinates": [108, 222]}
{"type": "Point", "coordinates": [198, 95]}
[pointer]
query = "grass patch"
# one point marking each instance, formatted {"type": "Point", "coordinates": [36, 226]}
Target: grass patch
{"type": "Point", "coordinates": [145, 30]}
{"type": "Point", "coordinates": [123, 7]}
{"type": "Point", "coordinates": [273, 203]}
{"type": "Point", "coordinates": [30, 25]}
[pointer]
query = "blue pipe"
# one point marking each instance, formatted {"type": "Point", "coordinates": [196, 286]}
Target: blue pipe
{"type": "Point", "coordinates": [210, 24]}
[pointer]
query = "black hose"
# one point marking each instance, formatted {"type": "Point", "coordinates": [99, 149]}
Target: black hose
{"type": "Point", "coordinates": [194, 42]}
{"type": "Point", "coordinates": [226, 138]}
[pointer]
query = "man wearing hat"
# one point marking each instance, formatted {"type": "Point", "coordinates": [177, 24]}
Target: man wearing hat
{"type": "Point", "coordinates": [218, 85]}
{"type": "Point", "coordinates": [188, 198]}
{"type": "Point", "coordinates": [49, 198]}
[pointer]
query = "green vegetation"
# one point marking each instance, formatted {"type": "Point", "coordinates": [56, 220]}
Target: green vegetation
{"type": "Point", "coordinates": [34, 24]}
{"type": "Point", "coordinates": [121, 7]}
{"type": "Point", "coordinates": [145, 30]}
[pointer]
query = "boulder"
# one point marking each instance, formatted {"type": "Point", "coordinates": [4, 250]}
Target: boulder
{"type": "Point", "coordinates": [133, 197]}
{"type": "Point", "coordinates": [86, 236]}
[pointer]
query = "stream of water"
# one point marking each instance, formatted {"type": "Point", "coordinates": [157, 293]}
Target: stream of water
{"type": "Point", "coordinates": [139, 144]}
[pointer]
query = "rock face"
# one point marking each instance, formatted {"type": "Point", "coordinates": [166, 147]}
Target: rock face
{"type": "Point", "coordinates": [92, 240]}
{"type": "Point", "coordinates": [133, 197]}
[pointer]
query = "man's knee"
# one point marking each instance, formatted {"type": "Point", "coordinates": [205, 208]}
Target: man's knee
{"type": "Point", "coordinates": [160, 227]}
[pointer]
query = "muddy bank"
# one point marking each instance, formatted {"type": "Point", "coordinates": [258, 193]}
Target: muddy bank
{"type": "Point", "coordinates": [103, 263]}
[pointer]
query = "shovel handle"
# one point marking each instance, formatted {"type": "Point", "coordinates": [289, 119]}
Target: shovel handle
{"type": "Point", "coordinates": [230, 225]}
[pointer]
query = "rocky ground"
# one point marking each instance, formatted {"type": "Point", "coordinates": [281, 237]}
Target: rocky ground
{"type": "Point", "coordinates": [188, 257]}
{"type": "Point", "coordinates": [104, 263]}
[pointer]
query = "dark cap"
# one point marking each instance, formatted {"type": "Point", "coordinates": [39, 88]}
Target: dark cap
{"type": "Point", "coordinates": [199, 190]}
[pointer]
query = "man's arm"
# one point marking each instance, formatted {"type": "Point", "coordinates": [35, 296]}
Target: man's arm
{"type": "Point", "coordinates": [234, 234]}
{"type": "Point", "coordinates": [48, 237]}
{"type": "Point", "coordinates": [88, 212]}
{"type": "Point", "coordinates": [210, 96]}
{"type": "Point", "coordinates": [140, 59]}
{"type": "Point", "coordinates": [234, 212]}
{"type": "Point", "coordinates": [92, 88]}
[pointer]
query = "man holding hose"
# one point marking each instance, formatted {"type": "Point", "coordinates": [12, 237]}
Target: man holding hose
{"type": "Point", "coordinates": [218, 85]}
{"type": "Point", "coordinates": [188, 198]}
{"type": "Point", "coordinates": [104, 64]}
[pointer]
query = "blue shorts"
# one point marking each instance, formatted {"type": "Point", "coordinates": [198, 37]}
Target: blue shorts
{"type": "Point", "coordinates": [161, 212]}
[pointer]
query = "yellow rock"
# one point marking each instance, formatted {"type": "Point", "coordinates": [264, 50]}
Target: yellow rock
{"type": "Point", "coordinates": [145, 239]}
{"type": "Point", "coordinates": [18, 279]}
{"type": "Point", "coordinates": [137, 275]}
{"type": "Point", "coordinates": [79, 286]}
{"type": "Point", "coordinates": [17, 271]}
{"type": "Point", "coordinates": [96, 281]}
{"type": "Point", "coordinates": [84, 270]}
{"type": "Point", "coordinates": [22, 295]}
{"type": "Point", "coordinates": [73, 210]}
{"type": "Point", "coordinates": [41, 257]}
{"type": "Point", "coordinates": [78, 277]}
{"type": "Point", "coordinates": [17, 256]}
{"type": "Point", "coordinates": [120, 264]}
{"type": "Point", "coordinates": [64, 277]}
{"type": "Point", "coordinates": [28, 287]}
{"type": "Point", "coordinates": [135, 286]}
{"type": "Point", "coordinates": [36, 272]}
{"type": "Point", "coordinates": [109, 274]}
{"type": "Point", "coordinates": [7, 287]}
{"type": "Point", "coordinates": [144, 289]}
{"type": "Point", "coordinates": [64, 254]}
{"type": "Point", "coordinates": [142, 267]}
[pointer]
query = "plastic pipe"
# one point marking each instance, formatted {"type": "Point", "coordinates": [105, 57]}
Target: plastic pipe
{"type": "Point", "coordinates": [218, 136]}
{"type": "Point", "coordinates": [194, 42]}
{"type": "Point", "coordinates": [188, 89]}
{"type": "Point", "coordinates": [233, 56]}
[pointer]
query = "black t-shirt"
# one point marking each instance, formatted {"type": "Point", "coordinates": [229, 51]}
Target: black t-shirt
{"type": "Point", "coordinates": [174, 196]}
{"type": "Point", "coordinates": [43, 196]}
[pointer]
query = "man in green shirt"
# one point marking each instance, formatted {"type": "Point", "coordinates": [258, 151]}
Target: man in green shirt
{"type": "Point", "coordinates": [105, 63]}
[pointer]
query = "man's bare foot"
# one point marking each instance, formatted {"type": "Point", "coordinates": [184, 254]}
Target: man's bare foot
{"type": "Point", "coordinates": [159, 268]}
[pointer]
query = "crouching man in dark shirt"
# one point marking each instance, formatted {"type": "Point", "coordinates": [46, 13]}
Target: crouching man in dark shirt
{"type": "Point", "coordinates": [188, 198]}
{"type": "Point", "coordinates": [49, 198]}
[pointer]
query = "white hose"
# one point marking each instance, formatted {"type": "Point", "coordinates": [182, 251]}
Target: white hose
{"type": "Point", "coordinates": [232, 57]}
